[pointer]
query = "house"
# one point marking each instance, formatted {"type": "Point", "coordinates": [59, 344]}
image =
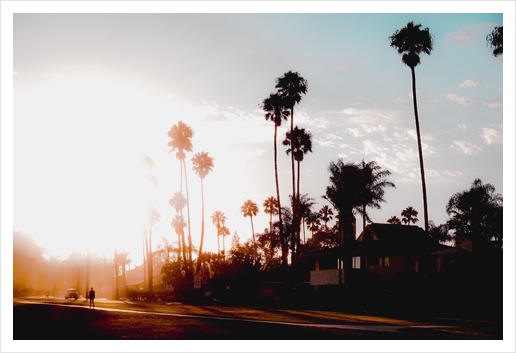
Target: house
{"type": "Point", "coordinates": [380, 252]}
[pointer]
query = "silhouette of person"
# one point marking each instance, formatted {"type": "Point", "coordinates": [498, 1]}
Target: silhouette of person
{"type": "Point", "coordinates": [92, 297]}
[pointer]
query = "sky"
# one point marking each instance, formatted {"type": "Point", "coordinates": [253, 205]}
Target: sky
{"type": "Point", "coordinates": [94, 92]}
{"type": "Point", "coordinates": [91, 87]}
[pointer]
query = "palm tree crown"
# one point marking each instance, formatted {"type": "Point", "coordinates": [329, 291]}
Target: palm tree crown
{"type": "Point", "coordinates": [202, 164]}
{"type": "Point", "coordinates": [300, 141]}
{"type": "Point", "coordinates": [394, 220]}
{"type": "Point", "coordinates": [409, 215]}
{"type": "Point", "coordinates": [412, 41]}
{"type": "Point", "coordinates": [290, 87]}
{"type": "Point", "coordinates": [180, 139]}
{"type": "Point", "coordinates": [274, 108]}
{"type": "Point", "coordinates": [250, 209]}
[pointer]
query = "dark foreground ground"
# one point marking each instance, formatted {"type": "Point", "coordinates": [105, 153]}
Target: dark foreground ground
{"type": "Point", "coordinates": [57, 319]}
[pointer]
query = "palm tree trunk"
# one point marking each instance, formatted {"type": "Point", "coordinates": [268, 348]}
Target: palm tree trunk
{"type": "Point", "coordinates": [117, 293]}
{"type": "Point", "coordinates": [423, 182]}
{"type": "Point", "coordinates": [284, 248]}
{"type": "Point", "coordinates": [124, 284]}
{"type": "Point", "coordinates": [149, 258]}
{"type": "Point", "coordinates": [181, 212]}
{"type": "Point", "coordinates": [363, 217]}
{"type": "Point", "coordinates": [294, 200]}
{"type": "Point", "coordinates": [144, 262]}
{"type": "Point", "coordinates": [218, 240]}
{"type": "Point", "coordinates": [188, 215]}
{"type": "Point", "coordinates": [202, 229]}
{"type": "Point", "coordinates": [252, 227]}
{"type": "Point", "coordinates": [298, 224]}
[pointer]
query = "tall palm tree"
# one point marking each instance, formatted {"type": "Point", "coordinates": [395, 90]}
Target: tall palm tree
{"type": "Point", "coordinates": [275, 111]}
{"type": "Point", "coordinates": [394, 220]}
{"type": "Point", "coordinates": [179, 224]}
{"type": "Point", "coordinates": [495, 40]}
{"type": "Point", "coordinates": [202, 165]}
{"type": "Point", "coordinates": [154, 217]}
{"type": "Point", "coordinates": [326, 215]}
{"type": "Point", "coordinates": [270, 206]}
{"type": "Point", "coordinates": [181, 140]}
{"type": "Point", "coordinates": [250, 209]}
{"type": "Point", "coordinates": [412, 41]}
{"type": "Point", "coordinates": [166, 248]}
{"type": "Point", "coordinates": [300, 142]}
{"type": "Point", "coordinates": [178, 201]}
{"type": "Point", "coordinates": [218, 218]}
{"type": "Point", "coordinates": [305, 204]}
{"type": "Point", "coordinates": [409, 215]}
{"type": "Point", "coordinates": [290, 88]}
{"type": "Point", "coordinates": [372, 188]}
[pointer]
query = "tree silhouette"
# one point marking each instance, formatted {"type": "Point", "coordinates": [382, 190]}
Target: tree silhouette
{"type": "Point", "coordinates": [409, 215]}
{"type": "Point", "coordinates": [343, 193]}
{"type": "Point", "coordinates": [300, 142]}
{"type": "Point", "coordinates": [202, 165]}
{"type": "Point", "coordinates": [477, 213]}
{"type": "Point", "coordinates": [326, 215]}
{"type": "Point", "coordinates": [394, 220]}
{"type": "Point", "coordinates": [412, 41]}
{"type": "Point", "coordinates": [291, 86]}
{"type": "Point", "coordinates": [372, 188]}
{"type": "Point", "coordinates": [275, 111]}
{"type": "Point", "coordinates": [178, 201]}
{"type": "Point", "coordinates": [181, 140]}
{"type": "Point", "coordinates": [218, 218]}
{"type": "Point", "coordinates": [223, 232]}
{"type": "Point", "coordinates": [270, 206]}
{"type": "Point", "coordinates": [305, 204]}
{"type": "Point", "coordinates": [495, 40]}
{"type": "Point", "coordinates": [250, 209]}
{"type": "Point", "coordinates": [313, 222]}
{"type": "Point", "coordinates": [166, 248]}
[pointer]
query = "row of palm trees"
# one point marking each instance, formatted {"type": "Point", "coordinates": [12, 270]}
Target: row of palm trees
{"type": "Point", "coordinates": [408, 215]}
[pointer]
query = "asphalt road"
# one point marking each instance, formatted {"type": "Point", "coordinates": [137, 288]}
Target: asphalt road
{"type": "Point", "coordinates": [48, 319]}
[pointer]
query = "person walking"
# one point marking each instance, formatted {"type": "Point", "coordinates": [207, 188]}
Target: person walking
{"type": "Point", "coordinates": [92, 297]}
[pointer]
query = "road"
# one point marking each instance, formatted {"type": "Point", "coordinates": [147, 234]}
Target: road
{"type": "Point", "coordinates": [74, 320]}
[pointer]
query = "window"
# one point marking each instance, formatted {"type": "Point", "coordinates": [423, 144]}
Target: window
{"type": "Point", "coordinates": [356, 263]}
{"type": "Point", "coordinates": [383, 261]}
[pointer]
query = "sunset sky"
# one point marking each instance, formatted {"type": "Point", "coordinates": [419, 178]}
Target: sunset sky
{"type": "Point", "coordinates": [94, 92]}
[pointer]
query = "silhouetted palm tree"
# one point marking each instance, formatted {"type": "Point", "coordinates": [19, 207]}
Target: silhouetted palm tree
{"type": "Point", "coordinates": [290, 88]}
{"type": "Point", "coordinates": [412, 41]}
{"type": "Point", "coordinates": [202, 165]}
{"type": "Point", "coordinates": [270, 206]}
{"type": "Point", "coordinates": [372, 190]}
{"type": "Point", "coordinates": [300, 142]}
{"type": "Point", "coordinates": [305, 204]}
{"type": "Point", "coordinates": [123, 261]}
{"type": "Point", "coordinates": [313, 222]}
{"type": "Point", "coordinates": [166, 248]}
{"type": "Point", "coordinates": [495, 40]}
{"type": "Point", "coordinates": [326, 215]}
{"type": "Point", "coordinates": [154, 217]}
{"type": "Point", "coordinates": [218, 218]}
{"type": "Point", "coordinates": [116, 265]}
{"type": "Point", "coordinates": [223, 232]}
{"type": "Point", "coordinates": [178, 201]}
{"type": "Point", "coordinates": [250, 209]}
{"type": "Point", "coordinates": [179, 224]}
{"type": "Point", "coordinates": [181, 140]}
{"type": "Point", "coordinates": [394, 220]}
{"type": "Point", "coordinates": [409, 215]}
{"type": "Point", "coordinates": [275, 111]}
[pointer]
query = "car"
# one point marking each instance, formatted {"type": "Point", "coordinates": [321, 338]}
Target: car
{"type": "Point", "coordinates": [71, 293]}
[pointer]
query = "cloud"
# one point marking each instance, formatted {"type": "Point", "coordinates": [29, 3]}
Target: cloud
{"type": "Point", "coordinates": [324, 143]}
{"type": "Point", "coordinates": [462, 101]}
{"type": "Point", "coordinates": [424, 137]}
{"type": "Point", "coordinates": [371, 147]}
{"type": "Point", "coordinates": [343, 155]}
{"type": "Point", "coordinates": [492, 136]}
{"type": "Point", "coordinates": [470, 35]}
{"type": "Point", "coordinates": [469, 84]}
{"type": "Point", "coordinates": [495, 105]}
{"type": "Point", "coordinates": [333, 137]}
{"type": "Point", "coordinates": [462, 127]}
{"type": "Point", "coordinates": [400, 100]}
{"type": "Point", "coordinates": [466, 147]}
{"type": "Point", "coordinates": [354, 131]}
{"type": "Point", "coordinates": [350, 111]}
{"type": "Point", "coordinates": [369, 129]}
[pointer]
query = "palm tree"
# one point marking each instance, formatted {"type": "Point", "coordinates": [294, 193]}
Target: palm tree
{"type": "Point", "coordinates": [275, 111]}
{"type": "Point", "coordinates": [250, 209]}
{"type": "Point", "coordinates": [145, 251]}
{"type": "Point", "coordinates": [325, 215]}
{"type": "Point", "coordinates": [495, 40]}
{"type": "Point", "coordinates": [181, 140]}
{"type": "Point", "coordinates": [372, 190]}
{"type": "Point", "coordinates": [305, 204]}
{"type": "Point", "coordinates": [178, 201]}
{"type": "Point", "coordinates": [409, 215]}
{"type": "Point", "coordinates": [394, 220]}
{"type": "Point", "coordinates": [412, 41]}
{"type": "Point", "coordinates": [270, 206]}
{"type": "Point", "coordinates": [218, 218]}
{"type": "Point", "coordinates": [290, 88]}
{"type": "Point", "coordinates": [179, 224]}
{"type": "Point", "coordinates": [313, 222]}
{"type": "Point", "coordinates": [202, 165]}
{"type": "Point", "coordinates": [124, 260]}
{"type": "Point", "coordinates": [154, 217]}
{"type": "Point", "coordinates": [224, 231]}
{"type": "Point", "coordinates": [300, 142]}
{"type": "Point", "coordinates": [166, 248]}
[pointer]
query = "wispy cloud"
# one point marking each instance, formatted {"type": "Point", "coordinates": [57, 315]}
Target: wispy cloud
{"type": "Point", "coordinates": [469, 84]}
{"type": "Point", "coordinates": [495, 105]}
{"type": "Point", "coordinates": [462, 127]}
{"type": "Point", "coordinates": [462, 101]}
{"type": "Point", "coordinates": [354, 131]}
{"type": "Point", "coordinates": [492, 136]}
{"type": "Point", "coordinates": [325, 143]}
{"type": "Point", "coordinates": [469, 35]}
{"type": "Point", "coordinates": [333, 137]}
{"type": "Point", "coordinates": [466, 147]}
{"type": "Point", "coordinates": [400, 100]}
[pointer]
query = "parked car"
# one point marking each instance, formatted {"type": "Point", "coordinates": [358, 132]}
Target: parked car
{"type": "Point", "coordinates": [71, 293]}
